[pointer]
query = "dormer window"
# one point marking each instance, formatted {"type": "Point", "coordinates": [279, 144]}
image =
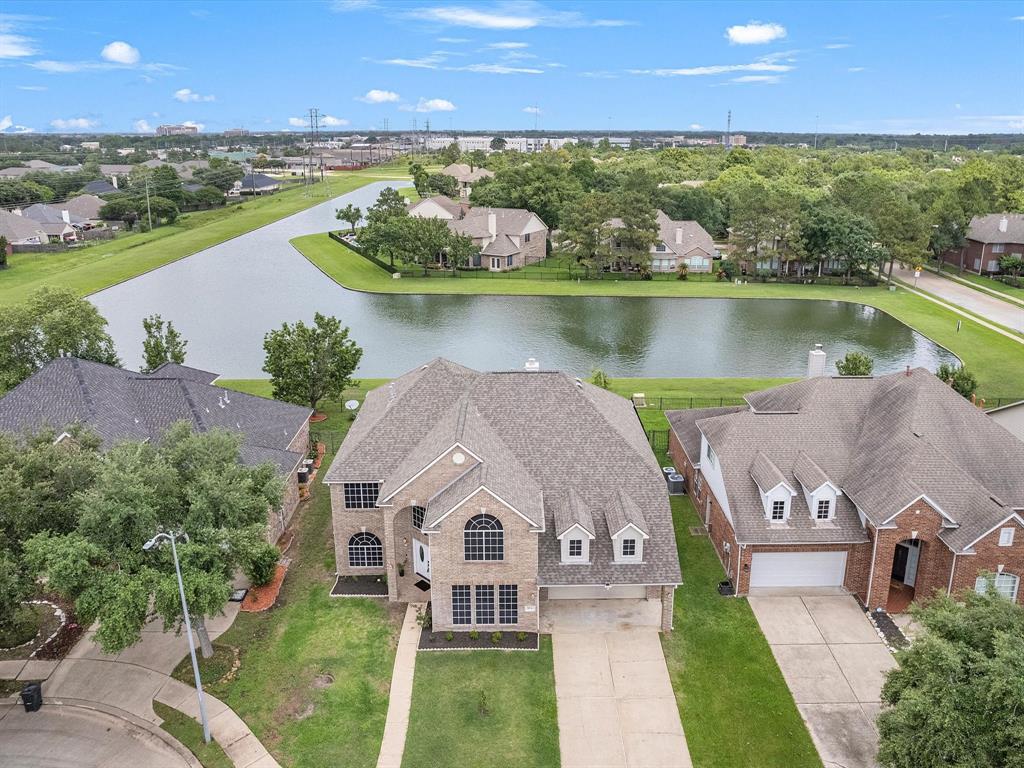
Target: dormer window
{"type": "Point", "coordinates": [824, 510]}
{"type": "Point", "coordinates": [575, 548]}
{"type": "Point", "coordinates": [629, 547]}
{"type": "Point", "coordinates": [778, 511]}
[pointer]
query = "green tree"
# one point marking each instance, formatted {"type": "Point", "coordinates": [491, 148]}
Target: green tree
{"type": "Point", "coordinates": [498, 144]}
{"type": "Point", "coordinates": [833, 233]}
{"type": "Point", "coordinates": [689, 204]}
{"type": "Point", "coordinates": [3, 252]}
{"type": "Point", "coordinates": [600, 379]}
{"type": "Point", "coordinates": [350, 213]}
{"type": "Point", "coordinates": [442, 184]}
{"type": "Point", "coordinates": [121, 209]}
{"type": "Point", "coordinates": [191, 483]}
{"type": "Point", "coordinates": [53, 322]}
{"type": "Point", "coordinates": [586, 234]}
{"type": "Point", "coordinates": [163, 343]}
{"type": "Point", "coordinates": [639, 230]}
{"type": "Point", "coordinates": [419, 178]}
{"type": "Point", "coordinates": [1011, 264]}
{"type": "Point", "coordinates": [389, 205]}
{"type": "Point", "coordinates": [450, 154]}
{"type": "Point", "coordinates": [959, 378]}
{"type": "Point", "coordinates": [222, 176]}
{"type": "Point", "coordinates": [162, 210]}
{"type": "Point", "coordinates": [307, 363]}
{"type": "Point", "coordinates": [15, 587]}
{"type": "Point", "coordinates": [954, 699]}
{"type": "Point", "coordinates": [855, 364]}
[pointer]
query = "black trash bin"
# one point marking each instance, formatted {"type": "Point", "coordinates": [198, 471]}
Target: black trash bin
{"type": "Point", "coordinates": [32, 696]}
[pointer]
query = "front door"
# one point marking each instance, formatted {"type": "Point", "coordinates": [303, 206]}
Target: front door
{"type": "Point", "coordinates": [421, 558]}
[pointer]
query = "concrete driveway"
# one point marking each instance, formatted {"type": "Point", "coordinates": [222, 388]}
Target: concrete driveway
{"type": "Point", "coordinates": [616, 706]}
{"type": "Point", "coordinates": [835, 664]}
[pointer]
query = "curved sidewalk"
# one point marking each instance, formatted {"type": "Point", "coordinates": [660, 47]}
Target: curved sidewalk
{"type": "Point", "coordinates": [982, 304]}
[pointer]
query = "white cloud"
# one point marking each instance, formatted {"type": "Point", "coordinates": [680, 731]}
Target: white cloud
{"type": "Point", "coordinates": [119, 52]}
{"type": "Point", "coordinates": [755, 33]}
{"type": "Point", "coordinates": [837, 46]}
{"type": "Point", "coordinates": [766, 79]}
{"type": "Point", "coordinates": [348, 6]}
{"type": "Point", "coordinates": [296, 122]}
{"type": "Point", "coordinates": [1017, 18]}
{"type": "Point", "coordinates": [64, 67]}
{"type": "Point", "coordinates": [554, 65]}
{"type": "Point", "coordinates": [507, 46]}
{"type": "Point", "coordinates": [16, 46]}
{"type": "Point", "coordinates": [186, 95]}
{"type": "Point", "coordinates": [764, 64]}
{"type": "Point", "coordinates": [497, 69]}
{"type": "Point", "coordinates": [599, 75]}
{"type": "Point", "coordinates": [376, 96]}
{"type": "Point", "coordinates": [142, 126]}
{"type": "Point", "coordinates": [518, 15]}
{"type": "Point", "coordinates": [696, 127]}
{"type": "Point", "coordinates": [194, 124]}
{"type": "Point", "coordinates": [855, 69]}
{"type": "Point", "coordinates": [23, 129]}
{"type": "Point", "coordinates": [532, 110]}
{"type": "Point", "coordinates": [453, 40]}
{"type": "Point", "coordinates": [424, 62]}
{"type": "Point", "coordinates": [7, 122]}
{"type": "Point", "coordinates": [332, 122]}
{"type": "Point", "coordinates": [74, 124]}
{"type": "Point", "coordinates": [32, 88]}
{"type": "Point", "coordinates": [431, 105]}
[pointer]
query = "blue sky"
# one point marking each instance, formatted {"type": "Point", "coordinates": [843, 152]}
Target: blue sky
{"type": "Point", "coordinates": [944, 67]}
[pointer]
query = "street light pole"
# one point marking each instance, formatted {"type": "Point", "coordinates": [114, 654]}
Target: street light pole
{"type": "Point", "coordinates": [188, 625]}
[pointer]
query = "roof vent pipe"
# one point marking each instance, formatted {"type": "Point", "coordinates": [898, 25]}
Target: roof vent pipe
{"type": "Point", "coordinates": [532, 365]}
{"type": "Point", "coordinates": [1003, 224]}
{"type": "Point", "coordinates": [816, 362]}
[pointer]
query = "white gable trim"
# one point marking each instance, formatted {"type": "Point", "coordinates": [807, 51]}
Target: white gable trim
{"type": "Point", "coordinates": [767, 491]}
{"type": "Point", "coordinates": [576, 526]}
{"type": "Point", "coordinates": [618, 533]}
{"type": "Point", "coordinates": [496, 497]}
{"type": "Point", "coordinates": [441, 456]}
{"type": "Point", "coordinates": [1011, 516]}
{"type": "Point", "coordinates": [931, 503]}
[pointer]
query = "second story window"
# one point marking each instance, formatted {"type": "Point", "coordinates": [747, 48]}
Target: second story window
{"type": "Point", "coordinates": [778, 510]}
{"type": "Point", "coordinates": [710, 453]}
{"type": "Point", "coordinates": [824, 510]}
{"type": "Point", "coordinates": [526, 237]}
{"type": "Point", "coordinates": [629, 547]}
{"type": "Point", "coordinates": [417, 517]}
{"type": "Point", "coordinates": [484, 538]}
{"type": "Point", "coordinates": [575, 547]}
{"type": "Point", "coordinates": [361, 495]}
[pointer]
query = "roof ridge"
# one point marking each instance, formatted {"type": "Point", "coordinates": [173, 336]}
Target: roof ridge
{"type": "Point", "coordinates": [86, 394]}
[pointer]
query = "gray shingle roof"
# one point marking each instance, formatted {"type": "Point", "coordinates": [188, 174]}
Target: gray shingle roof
{"type": "Point", "coordinates": [684, 424]}
{"type": "Point", "coordinates": [623, 511]}
{"type": "Point", "coordinates": [985, 229]}
{"type": "Point", "coordinates": [444, 202]}
{"type": "Point", "coordinates": [508, 221]}
{"type": "Point", "coordinates": [50, 214]}
{"type": "Point", "coordinates": [546, 440]}
{"type": "Point", "coordinates": [17, 228]}
{"type": "Point", "coordinates": [463, 173]}
{"type": "Point", "coordinates": [123, 405]}
{"type": "Point", "coordinates": [692, 237]}
{"type": "Point", "coordinates": [85, 206]}
{"type": "Point", "coordinates": [101, 187]}
{"type": "Point", "coordinates": [884, 441]}
{"type": "Point", "coordinates": [572, 510]}
{"type": "Point", "coordinates": [764, 472]}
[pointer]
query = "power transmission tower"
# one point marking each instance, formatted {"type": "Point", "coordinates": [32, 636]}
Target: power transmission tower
{"type": "Point", "coordinates": [728, 130]}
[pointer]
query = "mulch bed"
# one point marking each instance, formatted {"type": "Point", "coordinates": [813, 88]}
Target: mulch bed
{"type": "Point", "coordinates": [317, 417]}
{"type": "Point", "coordinates": [360, 586]}
{"type": "Point", "coordinates": [462, 641]}
{"type": "Point", "coordinates": [263, 597]}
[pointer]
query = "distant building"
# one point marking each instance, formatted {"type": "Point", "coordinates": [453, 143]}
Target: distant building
{"type": "Point", "coordinates": [90, 145]}
{"type": "Point", "coordinates": [735, 140]}
{"type": "Point", "coordinates": [236, 132]}
{"type": "Point", "coordinates": [989, 239]}
{"type": "Point", "coordinates": [176, 130]}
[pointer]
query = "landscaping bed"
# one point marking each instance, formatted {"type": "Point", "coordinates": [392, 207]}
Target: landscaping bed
{"type": "Point", "coordinates": [264, 596]}
{"type": "Point", "coordinates": [360, 586]}
{"type": "Point", "coordinates": [48, 632]}
{"type": "Point", "coordinates": [470, 641]}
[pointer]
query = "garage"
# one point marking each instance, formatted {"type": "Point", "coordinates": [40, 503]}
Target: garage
{"type": "Point", "coordinates": [797, 569]}
{"type": "Point", "coordinates": [598, 592]}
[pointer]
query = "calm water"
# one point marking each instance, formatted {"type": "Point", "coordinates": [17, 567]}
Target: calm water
{"type": "Point", "coordinates": [225, 298]}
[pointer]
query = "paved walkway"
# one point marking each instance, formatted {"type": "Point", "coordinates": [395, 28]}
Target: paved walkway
{"type": "Point", "coordinates": [616, 706]}
{"type": "Point", "coordinates": [980, 303]}
{"type": "Point", "coordinates": [400, 700]}
{"type": "Point", "coordinates": [835, 664]}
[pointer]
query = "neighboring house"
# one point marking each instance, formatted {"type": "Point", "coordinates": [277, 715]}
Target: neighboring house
{"type": "Point", "coordinates": [187, 168]}
{"type": "Point", "coordinates": [14, 173]}
{"type": "Point", "coordinates": [989, 238]}
{"type": "Point", "coordinates": [59, 224]}
{"type": "Point", "coordinates": [491, 493]}
{"type": "Point", "coordinates": [465, 177]}
{"type": "Point", "coordinates": [86, 208]}
{"type": "Point", "coordinates": [116, 172]}
{"type": "Point", "coordinates": [1010, 417]}
{"type": "Point", "coordinates": [255, 184]}
{"type": "Point", "coordinates": [99, 188]}
{"type": "Point", "coordinates": [679, 242]}
{"type": "Point", "coordinates": [42, 165]}
{"type": "Point", "coordinates": [890, 487]}
{"type": "Point", "coordinates": [21, 231]}
{"type": "Point", "coordinates": [508, 238]}
{"type": "Point", "coordinates": [121, 405]}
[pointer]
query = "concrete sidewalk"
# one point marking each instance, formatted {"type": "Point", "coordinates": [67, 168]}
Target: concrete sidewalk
{"type": "Point", "coordinates": [400, 699]}
{"type": "Point", "coordinates": [616, 706]}
{"type": "Point", "coordinates": [980, 303]}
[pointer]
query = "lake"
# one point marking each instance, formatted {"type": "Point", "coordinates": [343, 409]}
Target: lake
{"type": "Point", "coordinates": [225, 298]}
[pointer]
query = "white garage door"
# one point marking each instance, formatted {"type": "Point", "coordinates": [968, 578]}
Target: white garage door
{"type": "Point", "coordinates": [597, 593]}
{"type": "Point", "coordinates": [797, 569]}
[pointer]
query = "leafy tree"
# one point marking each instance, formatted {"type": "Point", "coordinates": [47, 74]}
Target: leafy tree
{"type": "Point", "coordinates": [498, 144]}
{"type": "Point", "coordinates": [419, 178]}
{"type": "Point", "coordinates": [450, 154]}
{"type": "Point", "coordinates": [476, 158]}
{"type": "Point", "coordinates": [442, 184]}
{"type": "Point", "coordinates": [53, 322]}
{"type": "Point", "coordinates": [15, 587]}
{"type": "Point", "coordinates": [585, 233]}
{"type": "Point", "coordinates": [385, 240]}
{"type": "Point", "coordinates": [544, 186]}
{"type": "Point", "coordinates": [222, 176]}
{"type": "Point", "coordinates": [389, 205]}
{"type": "Point", "coordinates": [163, 343]}
{"type": "Point", "coordinates": [459, 249]}
{"type": "Point", "coordinates": [1011, 264]}
{"type": "Point", "coordinates": [693, 204]}
{"type": "Point", "coordinates": [307, 363]}
{"type": "Point", "coordinates": [959, 378]}
{"type": "Point", "coordinates": [832, 233]}
{"type": "Point", "coordinates": [161, 209]}
{"type": "Point", "coordinates": [190, 483]}
{"type": "Point", "coordinates": [955, 696]}
{"type": "Point", "coordinates": [164, 182]}
{"type": "Point", "coordinates": [350, 213]}
{"type": "Point", "coordinates": [855, 364]}
{"type": "Point", "coordinates": [639, 230]}
{"type": "Point", "coordinates": [3, 252]}
{"type": "Point", "coordinates": [600, 379]}
{"type": "Point", "coordinates": [207, 195]}
{"type": "Point", "coordinates": [121, 209]}
{"type": "Point", "coordinates": [426, 240]}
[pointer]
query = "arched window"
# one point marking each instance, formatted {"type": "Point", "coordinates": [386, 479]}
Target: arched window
{"type": "Point", "coordinates": [365, 551]}
{"type": "Point", "coordinates": [484, 538]}
{"type": "Point", "coordinates": [1005, 584]}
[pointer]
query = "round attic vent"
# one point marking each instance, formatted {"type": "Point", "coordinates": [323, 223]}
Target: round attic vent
{"type": "Point", "coordinates": [459, 458]}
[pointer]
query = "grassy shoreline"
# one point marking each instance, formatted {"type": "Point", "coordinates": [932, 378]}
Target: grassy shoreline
{"type": "Point", "coordinates": [997, 361]}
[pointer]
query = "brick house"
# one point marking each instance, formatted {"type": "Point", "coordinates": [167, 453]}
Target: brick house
{"type": "Point", "coordinates": [677, 243]}
{"type": "Point", "coordinates": [989, 238]}
{"type": "Point", "coordinates": [120, 405]}
{"type": "Point", "coordinates": [508, 238]}
{"type": "Point", "coordinates": [465, 177]}
{"type": "Point", "coordinates": [891, 487]}
{"type": "Point", "coordinates": [489, 494]}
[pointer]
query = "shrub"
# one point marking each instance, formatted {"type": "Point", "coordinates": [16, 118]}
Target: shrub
{"type": "Point", "coordinates": [521, 637]}
{"type": "Point", "coordinates": [684, 271]}
{"type": "Point", "coordinates": [262, 564]}
{"type": "Point", "coordinates": [959, 378]}
{"type": "Point", "coordinates": [495, 638]}
{"type": "Point", "coordinates": [855, 364]}
{"type": "Point", "coordinates": [474, 635]}
{"type": "Point", "coordinates": [600, 379]}
{"type": "Point", "coordinates": [449, 636]}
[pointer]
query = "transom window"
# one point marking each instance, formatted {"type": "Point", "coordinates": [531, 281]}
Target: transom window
{"type": "Point", "coordinates": [361, 495]}
{"type": "Point", "coordinates": [461, 607]}
{"type": "Point", "coordinates": [417, 517]}
{"type": "Point", "coordinates": [629, 547]}
{"type": "Point", "coordinates": [508, 603]}
{"type": "Point", "coordinates": [824, 509]}
{"type": "Point", "coordinates": [778, 510]}
{"type": "Point", "coordinates": [1005, 584]}
{"type": "Point", "coordinates": [484, 604]}
{"type": "Point", "coordinates": [365, 551]}
{"type": "Point", "coordinates": [484, 538]}
{"type": "Point", "coordinates": [575, 547]}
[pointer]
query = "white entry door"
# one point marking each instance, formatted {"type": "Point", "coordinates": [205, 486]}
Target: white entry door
{"type": "Point", "coordinates": [797, 569]}
{"type": "Point", "coordinates": [421, 558]}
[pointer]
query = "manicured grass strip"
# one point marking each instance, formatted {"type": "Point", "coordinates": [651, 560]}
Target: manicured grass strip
{"type": "Point", "coordinates": [984, 282]}
{"type": "Point", "coordinates": [996, 360]}
{"type": "Point", "coordinates": [105, 263]}
{"type": "Point", "coordinates": [190, 733]}
{"type": "Point", "coordinates": [736, 709]}
{"type": "Point", "coordinates": [493, 708]}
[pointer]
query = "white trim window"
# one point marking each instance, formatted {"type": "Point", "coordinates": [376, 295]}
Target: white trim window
{"type": "Point", "coordinates": [576, 548]}
{"type": "Point", "coordinates": [361, 495]}
{"type": "Point", "coordinates": [778, 511]}
{"type": "Point", "coordinates": [365, 551]}
{"type": "Point", "coordinates": [1006, 536]}
{"type": "Point", "coordinates": [824, 510]}
{"type": "Point", "coordinates": [484, 538]}
{"type": "Point", "coordinates": [710, 453]}
{"type": "Point", "coordinates": [1006, 584]}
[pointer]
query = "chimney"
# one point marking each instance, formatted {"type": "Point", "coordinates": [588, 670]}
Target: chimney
{"type": "Point", "coordinates": [816, 362]}
{"type": "Point", "coordinates": [679, 235]}
{"type": "Point", "coordinates": [1003, 224]}
{"type": "Point", "coordinates": [113, 180]}
{"type": "Point", "coordinates": [532, 365]}
{"type": "Point", "coordinates": [492, 224]}
{"type": "Point", "coordinates": [66, 215]}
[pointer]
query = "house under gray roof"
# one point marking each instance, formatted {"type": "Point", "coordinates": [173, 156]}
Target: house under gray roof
{"type": "Point", "coordinates": [557, 447]}
{"type": "Point", "coordinates": [119, 405]}
{"type": "Point", "coordinates": [997, 228]}
{"type": "Point", "coordinates": [101, 187]}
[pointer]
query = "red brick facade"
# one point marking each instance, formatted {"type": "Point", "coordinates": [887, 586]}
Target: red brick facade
{"type": "Point", "coordinates": [979, 257]}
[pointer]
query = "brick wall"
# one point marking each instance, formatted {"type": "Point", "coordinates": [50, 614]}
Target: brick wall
{"type": "Point", "coordinates": [983, 251]}
{"type": "Point", "coordinates": [348, 522]}
{"type": "Point", "coordinates": [989, 556]}
{"type": "Point", "coordinates": [855, 572]}
{"type": "Point", "coordinates": [533, 251]}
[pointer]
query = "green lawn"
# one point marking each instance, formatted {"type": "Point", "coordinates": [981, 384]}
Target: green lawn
{"type": "Point", "coordinates": [985, 282]}
{"type": "Point", "coordinates": [483, 708]}
{"type": "Point", "coordinates": [190, 733]}
{"type": "Point", "coordinates": [306, 635]}
{"type": "Point", "coordinates": [736, 709]}
{"type": "Point", "coordinates": [996, 360]}
{"type": "Point", "coordinates": [105, 263]}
